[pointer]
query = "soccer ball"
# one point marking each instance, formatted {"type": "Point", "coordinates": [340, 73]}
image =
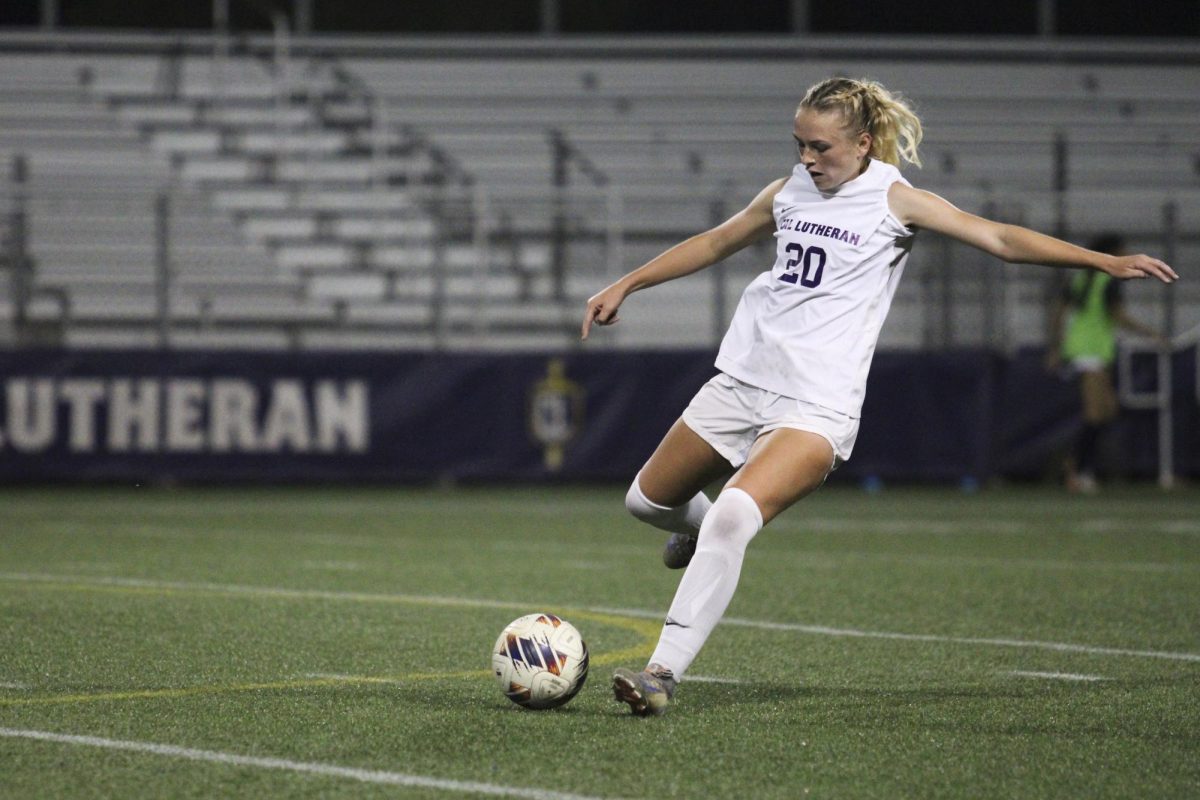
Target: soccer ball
{"type": "Point", "coordinates": [540, 661]}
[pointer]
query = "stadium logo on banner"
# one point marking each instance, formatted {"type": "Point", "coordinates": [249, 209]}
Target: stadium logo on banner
{"type": "Point", "coordinates": [556, 406]}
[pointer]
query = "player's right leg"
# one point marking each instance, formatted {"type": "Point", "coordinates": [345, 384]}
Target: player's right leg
{"type": "Point", "coordinates": [647, 693]}
{"type": "Point", "coordinates": [669, 491]}
{"type": "Point", "coordinates": [784, 465]}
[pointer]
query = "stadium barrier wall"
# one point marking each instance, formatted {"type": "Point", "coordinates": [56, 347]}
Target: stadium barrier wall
{"type": "Point", "coordinates": [161, 416]}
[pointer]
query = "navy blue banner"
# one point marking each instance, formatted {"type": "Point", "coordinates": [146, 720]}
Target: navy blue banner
{"type": "Point", "coordinates": [237, 416]}
{"type": "Point", "coordinates": [219, 416]}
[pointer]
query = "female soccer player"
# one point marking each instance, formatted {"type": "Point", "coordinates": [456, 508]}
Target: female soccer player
{"type": "Point", "coordinates": [784, 408]}
{"type": "Point", "coordinates": [1083, 334]}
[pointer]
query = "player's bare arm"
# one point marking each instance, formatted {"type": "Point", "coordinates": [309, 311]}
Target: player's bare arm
{"type": "Point", "coordinates": [691, 255]}
{"type": "Point", "coordinates": [1013, 243]}
{"type": "Point", "coordinates": [1123, 319]}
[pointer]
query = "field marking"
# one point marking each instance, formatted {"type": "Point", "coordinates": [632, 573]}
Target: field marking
{"type": "Point", "coordinates": [1031, 644]}
{"type": "Point", "coordinates": [13, 685]}
{"type": "Point", "coordinates": [341, 677]}
{"type": "Point", "coordinates": [521, 503]}
{"type": "Point", "coordinates": [616, 616]}
{"type": "Point", "coordinates": [227, 688]}
{"type": "Point", "coordinates": [336, 676]}
{"type": "Point", "coordinates": [1058, 676]}
{"type": "Point", "coordinates": [1180, 527]}
{"type": "Point", "coordinates": [646, 630]}
{"type": "Point", "coordinates": [840, 557]}
{"type": "Point", "coordinates": [287, 765]}
{"type": "Point", "coordinates": [853, 633]}
{"type": "Point", "coordinates": [601, 614]}
{"type": "Point", "coordinates": [969, 526]}
{"type": "Point", "coordinates": [334, 566]}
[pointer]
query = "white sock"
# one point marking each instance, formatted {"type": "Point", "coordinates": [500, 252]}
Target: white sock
{"type": "Point", "coordinates": [681, 519]}
{"type": "Point", "coordinates": [710, 580]}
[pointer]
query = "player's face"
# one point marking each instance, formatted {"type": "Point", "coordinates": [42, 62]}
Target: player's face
{"type": "Point", "coordinates": [831, 152]}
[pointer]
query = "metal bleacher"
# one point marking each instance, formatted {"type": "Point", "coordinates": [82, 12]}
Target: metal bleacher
{"type": "Point", "coordinates": [679, 141]}
{"type": "Point", "coordinates": [90, 198]}
{"type": "Point", "coordinates": [342, 199]}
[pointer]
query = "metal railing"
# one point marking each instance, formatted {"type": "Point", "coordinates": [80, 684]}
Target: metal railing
{"type": "Point", "coordinates": [1161, 397]}
{"type": "Point", "coordinates": [600, 225]}
{"type": "Point", "coordinates": [486, 256]}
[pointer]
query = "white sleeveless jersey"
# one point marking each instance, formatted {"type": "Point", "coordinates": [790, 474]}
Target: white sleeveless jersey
{"type": "Point", "coordinates": [807, 329]}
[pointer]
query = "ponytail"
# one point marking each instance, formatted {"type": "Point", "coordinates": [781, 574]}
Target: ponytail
{"type": "Point", "coordinates": [870, 108]}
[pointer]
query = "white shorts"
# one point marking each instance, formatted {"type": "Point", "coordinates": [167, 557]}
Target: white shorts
{"type": "Point", "coordinates": [1088, 364]}
{"type": "Point", "coordinates": [731, 415]}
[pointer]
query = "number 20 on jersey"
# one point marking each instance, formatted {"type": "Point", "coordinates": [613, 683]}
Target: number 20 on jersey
{"type": "Point", "coordinates": [813, 261]}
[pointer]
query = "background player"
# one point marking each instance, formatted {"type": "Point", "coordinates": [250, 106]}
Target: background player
{"type": "Point", "coordinates": [1083, 335]}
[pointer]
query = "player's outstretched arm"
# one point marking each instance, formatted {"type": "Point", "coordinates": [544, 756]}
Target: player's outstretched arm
{"type": "Point", "coordinates": [691, 255]}
{"type": "Point", "coordinates": [1013, 243]}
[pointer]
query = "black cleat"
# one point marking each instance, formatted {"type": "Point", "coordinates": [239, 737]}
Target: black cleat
{"type": "Point", "coordinates": [679, 550]}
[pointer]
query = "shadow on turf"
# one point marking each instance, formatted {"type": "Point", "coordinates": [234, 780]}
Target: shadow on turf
{"type": "Point", "coordinates": [1017, 710]}
{"type": "Point", "coordinates": [854, 706]}
{"type": "Point", "coordinates": [847, 701]}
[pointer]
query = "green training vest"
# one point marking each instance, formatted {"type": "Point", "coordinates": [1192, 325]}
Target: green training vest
{"type": "Point", "coordinates": [1090, 330]}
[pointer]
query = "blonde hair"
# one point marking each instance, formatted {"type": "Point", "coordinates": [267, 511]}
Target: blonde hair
{"type": "Point", "coordinates": [870, 108]}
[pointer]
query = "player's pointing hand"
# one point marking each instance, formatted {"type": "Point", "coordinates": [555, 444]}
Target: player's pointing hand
{"type": "Point", "coordinates": [602, 310]}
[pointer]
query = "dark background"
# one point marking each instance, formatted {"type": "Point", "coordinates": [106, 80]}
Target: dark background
{"type": "Point", "coordinates": [1176, 18]}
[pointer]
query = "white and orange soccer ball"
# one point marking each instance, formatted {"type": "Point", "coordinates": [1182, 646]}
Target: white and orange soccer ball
{"type": "Point", "coordinates": [540, 661]}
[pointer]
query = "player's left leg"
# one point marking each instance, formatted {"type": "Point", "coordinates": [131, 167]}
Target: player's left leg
{"type": "Point", "coordinates": [1099, 399]}
{"type": "Point", "coordinates": [668, 491]}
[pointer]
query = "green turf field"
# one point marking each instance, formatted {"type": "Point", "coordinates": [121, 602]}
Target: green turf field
{"type": "Point", "coordinates": [329, 643]}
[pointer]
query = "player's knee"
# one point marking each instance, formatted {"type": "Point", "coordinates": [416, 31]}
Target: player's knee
{"type": "Point", "coordinates": [732, 522]}
{"type": "Point", "coordinates": [641, 507]}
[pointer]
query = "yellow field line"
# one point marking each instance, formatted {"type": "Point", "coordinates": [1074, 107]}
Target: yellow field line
{"type": "Point", "coordinates": [199, 691]}
{"type": "Point", "coordinates": [646, 629]}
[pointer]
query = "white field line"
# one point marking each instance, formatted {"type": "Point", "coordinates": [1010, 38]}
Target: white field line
{"type": "Point", "coordinates": [1183, 527]}
{"type": "Point", "coordinates": [466, 602]}
{"type": "Point", "coordinates": [1126, 525]}
{"type": "Point", "coordinates": [325, 506]}
{"type": "Point", "coordinates": [708, 679]}
{"type": "Point", "coordinates": [258, 591]}
{"type": "Point", "coordinates": [952, 527]}
{"type": "Point", "coordinates": [335, 566]}
{"type": "Point", "coordinates": [325, 770]}
{"type": "Point", "coordinates": [843, 556]}
{"type": "Point", "coordinates": [13, 685]}
{"type": "Point", "coordinates": [1057, 676]}
{"type": "Point", "coordinates": [1061, 647]}
{"type": "Point", "coordinates": [853, 633]}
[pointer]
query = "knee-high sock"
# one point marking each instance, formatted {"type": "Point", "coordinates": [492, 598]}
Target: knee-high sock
{"type": "Point", "coordinates": [681, 519]}
{"type": "Point", "coordinates": [710, 580]}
